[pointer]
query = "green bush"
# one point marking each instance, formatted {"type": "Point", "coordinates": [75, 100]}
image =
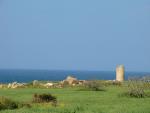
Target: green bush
{"type": "Point", "coordinates": [136, 88]}
{"type": "Point", "coordinates": [146, 80]}
{"type": "Point", "coordinates": [41, 98]}
{"type": "Point", "coordinates": [94, 85]}
{"type": "Point", "coordinates": [112, 83]}
{"type": "Point", "coordinates": [6, 103]}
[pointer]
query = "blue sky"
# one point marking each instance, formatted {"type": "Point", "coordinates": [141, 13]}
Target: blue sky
{"type": "Point", "coordinates": [75, 34]}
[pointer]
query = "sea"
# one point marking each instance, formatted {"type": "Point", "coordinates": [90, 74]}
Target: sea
{"type": "Point", "coordinates": [21, 75]}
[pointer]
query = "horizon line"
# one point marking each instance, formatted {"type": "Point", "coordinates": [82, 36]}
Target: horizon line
{"type": "Point", "coordinates": [68, 70]}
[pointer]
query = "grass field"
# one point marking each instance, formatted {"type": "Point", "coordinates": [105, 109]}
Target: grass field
{"type": "Point", "coordinates": [72, 100]}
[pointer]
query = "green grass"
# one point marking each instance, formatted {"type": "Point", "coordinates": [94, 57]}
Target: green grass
{"type": "Point", "coordinates": [72, 100]}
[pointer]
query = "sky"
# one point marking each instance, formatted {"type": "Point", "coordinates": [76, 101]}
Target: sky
{"type": "Point", "coordinates": [75, 34]}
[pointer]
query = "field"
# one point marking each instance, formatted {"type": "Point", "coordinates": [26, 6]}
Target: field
{"type": "Point", "coordinates": [73, 100]}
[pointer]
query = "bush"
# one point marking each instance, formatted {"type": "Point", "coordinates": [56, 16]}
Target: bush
{"type": "Point", "coordinates": [146, 80]}
{"type": "Point", "coordinates": [94, 85]}
{"type": "Point", "coordinates": [136, 88]}
{"type": "Point", "coordinates": [6, 103]}
{"type": "Point", "coordinates": [112, 83]}
{"type": "Point", "coordinates": [41, 98]}
{"type": "Point", "coordinates": [65, 84]}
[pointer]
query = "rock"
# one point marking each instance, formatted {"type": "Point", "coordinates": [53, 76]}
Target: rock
{"type": "Point", "coordinates": [81, 82]}
{"type": "Point", "coordinates": [48, 85]}
{"type": "Point", "coordinates": [16, 85]}
{"type": "Point", "coordinates": [1, 86]}
{"type": "Point", "coordinates": [35, 82]}
{"type": "Point", "coordinates": [59, 86]}
{"type": "Point", "coordinates": [9, 85]}
{"type": "Point", "coordinates": [71, 80]}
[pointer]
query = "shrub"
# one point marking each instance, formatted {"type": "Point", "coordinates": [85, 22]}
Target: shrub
{"type": "Point", "coordinates": [6, 103]}
{"type": "Point", "coordinates": [146, 80]}
{"type": "Point", "coordinates": [94, 85]}
{"type": "Point", "coordinates": [41, 98]}
{"type": "Point", "coordinates": [113, 83]}
{"type": "Point", "coordinates": [136, 88]}
{"type": "Point", "coordinates": [65, 84]}
{"type": "Point", "coordinates": [30, 84]}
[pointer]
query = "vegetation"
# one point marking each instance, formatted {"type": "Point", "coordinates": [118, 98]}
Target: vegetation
{"type": "Point", "coordinates": [73, 100]}
{"type": "Point", "coordinates": [112, 83]}
{"type": "Point", "coordinates": [6, 103]}
{"type": "Point", "coordinates": [136, 88]}
{"type": "Point", "coordinates": [94, 85]}
{"type": "Point", "coordinates": [41, 98]}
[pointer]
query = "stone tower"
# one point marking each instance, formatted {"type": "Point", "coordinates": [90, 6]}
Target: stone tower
{"type": "Point", "coordinates": [120, 73]}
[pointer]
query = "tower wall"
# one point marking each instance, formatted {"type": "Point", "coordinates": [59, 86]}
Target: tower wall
{"type": "Point", "coordinates": [120, 73]}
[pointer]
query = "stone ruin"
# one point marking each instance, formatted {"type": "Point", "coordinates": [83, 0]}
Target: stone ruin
{"type": "Point", "coordinates": [72, 81]}
{"type": "Point", "coordinates": [16, 85]}
{"type": "Point", "coordinates": [120, 73]}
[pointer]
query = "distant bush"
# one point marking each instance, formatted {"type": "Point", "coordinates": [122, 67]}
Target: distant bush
{"type": "Point", "coordinates": [146, 80]}
{"type": "Point", "coordinates": [65, 84]}
{"type": "Point", "coordinates": [41, 98]}
{"type": "Point", "coordinates": [94, 85]}
{"type": "Point", "coordinates": [113, 83]}
{"type": "Point", "coordinates": [136, 88]}
{"type": "Point", "coordinates": [35, 84]}
{"type": "Point", "coordinates": [147, 85]}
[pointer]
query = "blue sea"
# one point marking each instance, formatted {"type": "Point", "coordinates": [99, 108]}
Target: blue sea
{"type": "Point", "coordinates": [7, 76]}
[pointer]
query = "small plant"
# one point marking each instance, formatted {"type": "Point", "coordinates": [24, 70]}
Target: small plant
{"type": "Point", "coordinates": [44, 98]}
{"type": "Point", "coordinates": [94, 85]}
{"type": "Point", "coordinates": [136, 88]}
